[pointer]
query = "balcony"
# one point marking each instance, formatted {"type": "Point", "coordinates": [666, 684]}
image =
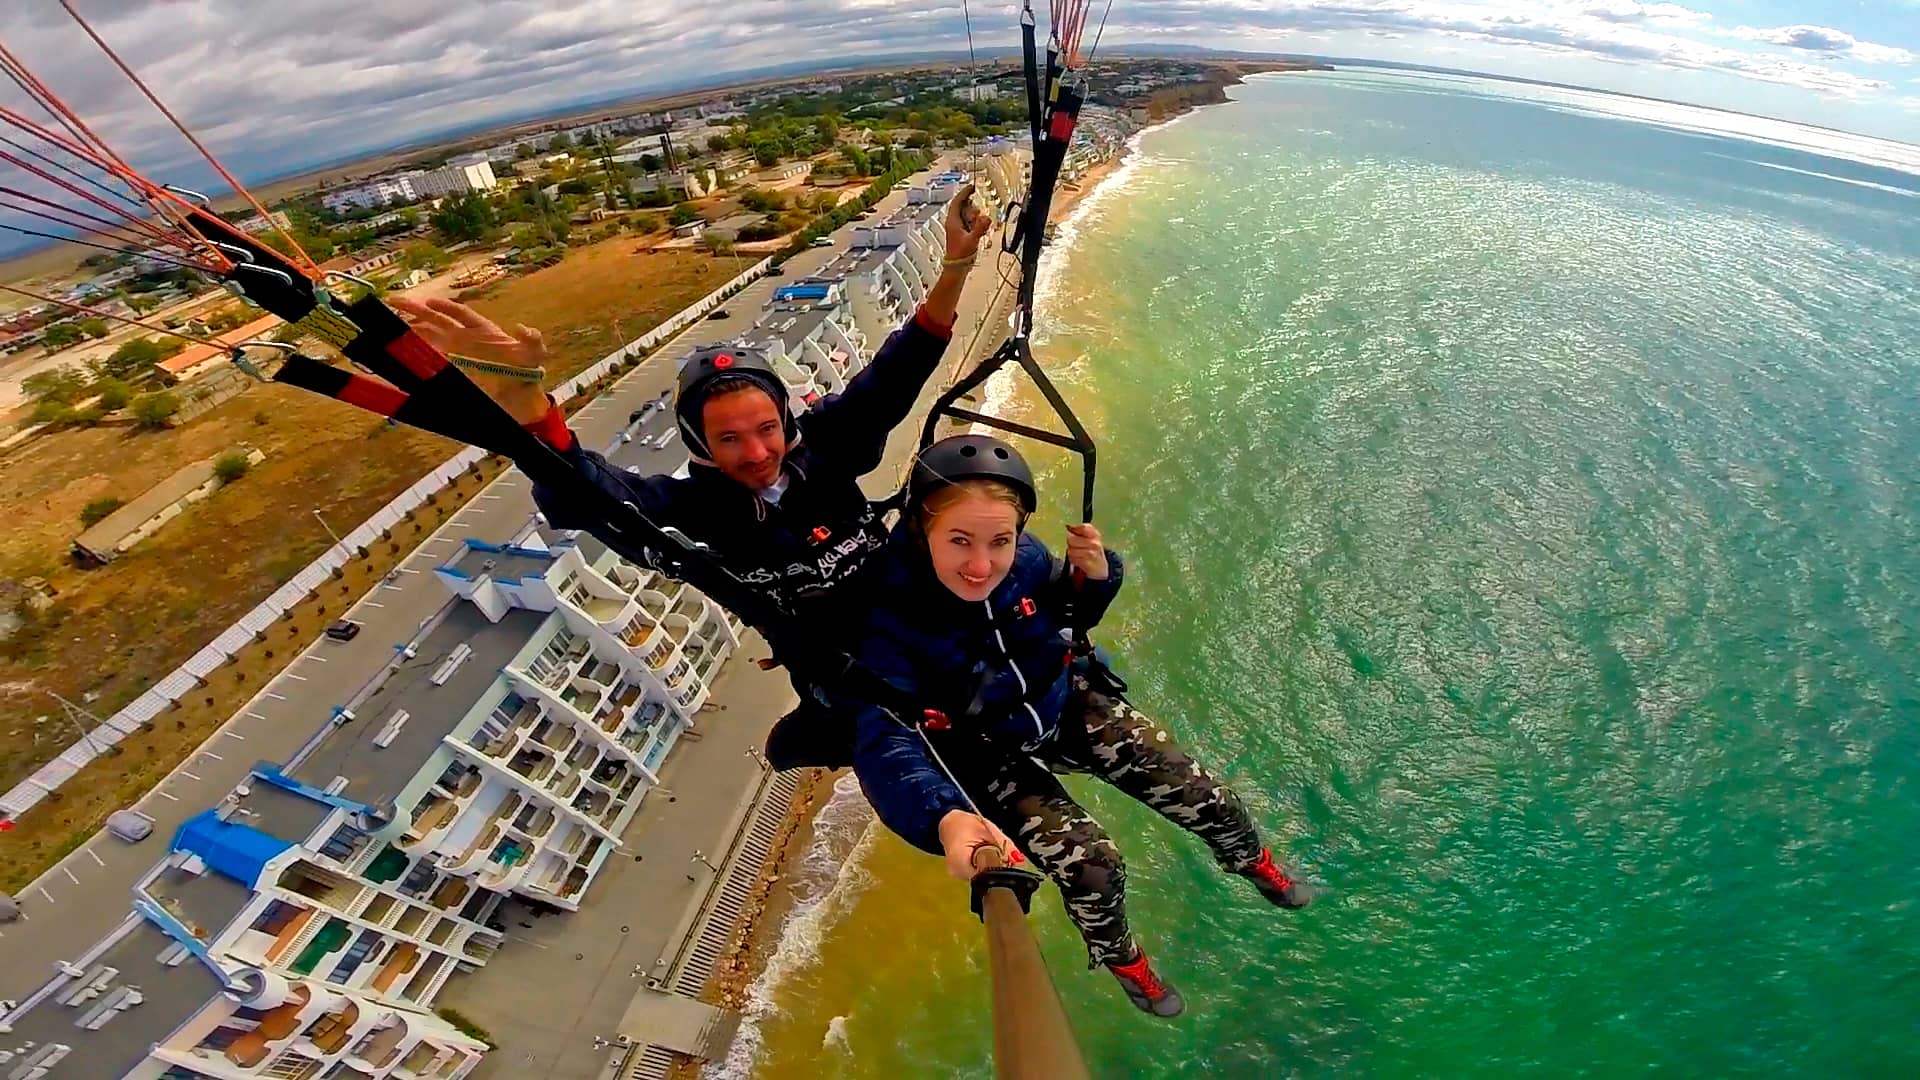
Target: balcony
{"type": "Point", "coordinates": [434, 812]}
{"type": "Point", "coordinates": [532, 763]}
{"type": "Point", "coordinates": [626, 695]}
{"type": "Point", "coordinates": [535, 820]}
{"type": "Point", "coordinates": [420, 1057]}
{"type": "Point", "coordinates": [398, 963]}
{"type": "Point", "coordinates": [600, 609]}
{"type": "Point", "coordinates": [379, 1047]}
{"type": "Point", "coordinates": [576, 881]}
{"type": "Point", "coordinates": [330, 938]}
{"type": "Point", "coordinates": [330, 1032]}
{"type": "Point", "coordinates": [591, 802]}
{"type": "Point", "coordinates": [555, 735]}
{"type": "Point", "coordinates": [583, 697]}
{"type": "Point", "coordinates": [450, 894]}
{"type": "Point", "coordinates": [274, 1025]}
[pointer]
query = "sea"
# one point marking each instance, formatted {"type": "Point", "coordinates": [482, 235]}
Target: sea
{"type": "Point", "coordinates": [1518, 491]}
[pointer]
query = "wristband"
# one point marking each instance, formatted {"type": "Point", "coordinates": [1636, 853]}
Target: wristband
{"type": "Point", "coordinates": [955, 264]}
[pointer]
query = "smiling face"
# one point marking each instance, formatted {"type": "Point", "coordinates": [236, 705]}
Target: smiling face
{"type": "Point", "coordinates": [972, 529]}
{"type": "Point", "coordinates": [745, 436]}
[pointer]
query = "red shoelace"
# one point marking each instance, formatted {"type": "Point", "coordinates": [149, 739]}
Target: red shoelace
{"type": "Point", "coordinates": [1140, 973]}
{"type": "Point", "coordinates": [1271, 873]}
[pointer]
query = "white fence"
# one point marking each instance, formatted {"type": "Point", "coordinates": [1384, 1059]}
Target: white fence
{"type": "Point", "coordinates": [184, 679]}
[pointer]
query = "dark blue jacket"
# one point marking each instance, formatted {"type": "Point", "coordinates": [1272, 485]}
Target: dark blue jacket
{"type": "Point", "coordinates": [996, 670]}
{"type": "Point", "coordinates": [811, 548]}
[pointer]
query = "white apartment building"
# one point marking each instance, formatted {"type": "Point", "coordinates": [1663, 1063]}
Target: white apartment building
{"type": "Point", "coordinates": [302, 929]}
{"type": "Point", "coordinates": [371, 195]}
{"type": "Point", "coordinates": [455, 180]}
{"type": "Point", "coordinates": [815, 345]}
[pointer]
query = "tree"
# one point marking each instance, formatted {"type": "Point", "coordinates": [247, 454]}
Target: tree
{"type": "Point", "coordinates": [524, 151]}
{"type": "Point", "coordinates": [650, 163]}
{"type": "Point", "coordinates": [827, 128]}
{"type": "Point", "coordinates": [423, 255]}
{"type": "Point", "coordinates": [113, 393]}
{"type": "Point", "coordinates": [575, 187]}
{"type": "Point", "coordinates": [857, 160]}
{"type": "Point", "coordinates": [54, 414]}
{"type": "Point", "coordinates": [684, 214]}
{"type": "Point", "coordinates": [717, 243]}
{"type": "Point", "coordinates": [60, 336]}
{"type": "Point", "coordinates": [762, 201]}
{"type": "Point", "coordinates": [96, 511]}
{"type": "Point", "coordinates": [94, 328]}
{"type": "Point", "coordinates": [919, 140]}
{"type": "Point", "coordinates": [231, 466]}
{"type": "Point", "coordinates": [228, 319]}
{"type": "Point", "coordinates": [133, 359]}
{"type": "Point", "coordinates": [644, 223]}
{"type": "Point", "coordinates": [467, 217]}
{"type": "Point", "coordinates": [561, 141]}
{"type": "Point", "coordinates": [767, 153]}
{"type": "Point", "coordinates": [155, 409]}
{"type": "Point", "coordinates": [62, 384]}
{"type": "Point", "coordinates": [141, 304]}
{"type": "Point", "coordinates": [318, 245]}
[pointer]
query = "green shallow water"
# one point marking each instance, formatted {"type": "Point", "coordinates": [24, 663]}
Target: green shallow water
{"type": "Point", "coordinates": [1520, 512]}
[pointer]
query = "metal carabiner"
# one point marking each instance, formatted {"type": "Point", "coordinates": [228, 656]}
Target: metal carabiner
{"type": "Point", "coordinates": [238, 355]}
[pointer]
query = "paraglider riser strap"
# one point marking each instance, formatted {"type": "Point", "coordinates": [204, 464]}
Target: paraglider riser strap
{"type": "Point", "coordinates": [1021, 883]}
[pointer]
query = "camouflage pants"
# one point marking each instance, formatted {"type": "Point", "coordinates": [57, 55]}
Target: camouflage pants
{"type": "Point", "coordinates": [1131, 752]}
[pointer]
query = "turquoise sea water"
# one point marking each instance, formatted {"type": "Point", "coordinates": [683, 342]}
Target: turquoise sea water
{"type": "Point", "coordinates": [1521, 513]}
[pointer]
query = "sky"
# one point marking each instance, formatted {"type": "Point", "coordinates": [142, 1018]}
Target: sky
{"type": "Point", "coordinates": [277, 87]}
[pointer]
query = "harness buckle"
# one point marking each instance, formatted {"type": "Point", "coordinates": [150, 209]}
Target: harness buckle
{"type": "Point", "coordinates": [820, 534]}
{"type": "Point", "coordinates": [935, 720]}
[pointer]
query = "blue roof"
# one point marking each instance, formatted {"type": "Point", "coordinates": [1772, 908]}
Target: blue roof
{"type": "Point", "coordinates": [240, 852]}
{"type": "Point", "coordinates": [803, 292]}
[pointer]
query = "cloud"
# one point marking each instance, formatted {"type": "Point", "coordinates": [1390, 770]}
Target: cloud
{"type": "Point", "coordinates": [270, 87]}
{"type": "Point", "coordinates": [1828, 42]}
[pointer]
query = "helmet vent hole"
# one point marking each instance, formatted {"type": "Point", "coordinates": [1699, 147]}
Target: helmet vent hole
{"type": "Point", "coordinates": [968, 451]}
{"type": "Point", "coordinates": [1000, 452]}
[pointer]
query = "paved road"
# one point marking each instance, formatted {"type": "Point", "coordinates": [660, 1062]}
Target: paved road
{"type": "Point", "coordinates": [74, 904]}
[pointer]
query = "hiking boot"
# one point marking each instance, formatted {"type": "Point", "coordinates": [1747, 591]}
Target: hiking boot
{"type": "Point", "coordinates": [1144, 987]}
{"type": "Point", "coordinates": [1275, 885]}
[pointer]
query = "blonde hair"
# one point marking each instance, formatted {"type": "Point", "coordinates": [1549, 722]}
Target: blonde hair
{"type": "Point", "coordinates": [942, 499]}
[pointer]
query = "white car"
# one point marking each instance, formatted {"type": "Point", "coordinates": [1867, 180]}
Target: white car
{"type": "Point", "coordinates": [130, 825]}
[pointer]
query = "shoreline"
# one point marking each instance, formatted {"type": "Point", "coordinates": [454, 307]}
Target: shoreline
{"type": "Point", "coordinates": [778, 900]}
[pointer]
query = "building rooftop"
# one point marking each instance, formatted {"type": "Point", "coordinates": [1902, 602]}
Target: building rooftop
{"type": "Point", "coordinates": [502, 564]}
{"type": "Point", "coordinates": [287, 815]}
{"type": "Point", "coordinates": [872, 259]}
{"type": "Point", "coordinates": [793, 326]}
{"type": "Point", "coordinates": [377, 775]}
{"type": "Point", "coordinates": [918, 213]}
{"type": "Point", "coordinates": [206, 902]}
{"type": "Point", "coordinates": [115, 527]}
{"type": "Point", "coordinates": [171, 992]}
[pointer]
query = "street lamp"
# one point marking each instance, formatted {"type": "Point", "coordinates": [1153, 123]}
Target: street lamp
{"type": "Point", "coordinates": [765, 765]}
{"type": "Point", "coordinates": [701, 858]}
{"type": "Point", "coordinates": [324, 525]}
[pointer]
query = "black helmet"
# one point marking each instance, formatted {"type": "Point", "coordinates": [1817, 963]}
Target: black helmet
{"type": "Point", "coordinates": [703, 368]}
{"type": "Point", "coordinates": [969, 457]}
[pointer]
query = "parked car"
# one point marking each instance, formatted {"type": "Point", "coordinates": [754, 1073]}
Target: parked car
{"type": "Point", "coordinates": [343, 630]}
{"type": "Point", "coordinates": [821, 241]}
{"type": "Point", "coordinates": [774, 271]}
{"type": "Point", "coordinates": [130, 825]}
{"type": "Point", "coordinates": [719, 313]}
